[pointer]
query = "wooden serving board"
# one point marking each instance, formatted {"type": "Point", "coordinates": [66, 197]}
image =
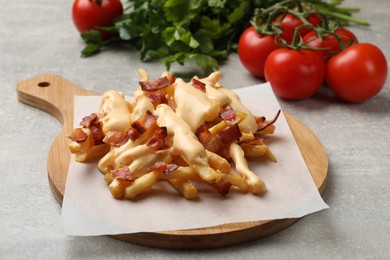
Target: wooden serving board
{"type": "Point", "coordinates": [55, 95]}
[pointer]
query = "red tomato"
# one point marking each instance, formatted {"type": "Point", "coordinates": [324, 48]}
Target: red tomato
{"type": "Point", "coordinates": [253, 50]}
{"type": "Point", "coordinates": [87, 14]}
{"type": "Point", "coordinates": [289, 22]}
{"type": "Point", "coordinates": [330, 42]}
{"type": "Point", "coordinates": [295, 74]}
{"type": "Point", "coordinates": [357, 73]}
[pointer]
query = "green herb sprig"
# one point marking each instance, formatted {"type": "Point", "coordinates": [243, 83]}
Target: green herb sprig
{"type": "Point", "coordinates": [203, 31]}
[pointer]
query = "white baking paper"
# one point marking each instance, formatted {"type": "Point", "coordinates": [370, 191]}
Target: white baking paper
{"type": "Point", "coordinates": [89, 209]}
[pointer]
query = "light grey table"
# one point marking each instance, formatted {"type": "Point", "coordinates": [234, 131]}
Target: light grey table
{"type": "Point", "coordinates": [38, 37]}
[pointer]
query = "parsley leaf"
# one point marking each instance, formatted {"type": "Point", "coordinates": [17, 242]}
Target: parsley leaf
{"type": "Point", "coordinates": [178, 31]}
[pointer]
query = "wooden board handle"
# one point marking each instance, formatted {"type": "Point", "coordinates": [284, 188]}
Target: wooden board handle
{"type": "Point", "coordinates": [51, 93]}
{"type": "Point", "coordinates": [54, 95]}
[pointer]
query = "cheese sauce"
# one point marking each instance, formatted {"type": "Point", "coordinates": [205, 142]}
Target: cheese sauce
{"type": "Point", "coordinates": [248, 125]}
{"type": "Point", "coordinates": [144, 104]}
{"type": "Point", "coordinates": [116, 112]}
{"type": "Point", "coordinates": [139, 158]}
{"type": "Point", "coordinates": [193, 105]}
{"type": "Point", "coordinates": [184, 142]}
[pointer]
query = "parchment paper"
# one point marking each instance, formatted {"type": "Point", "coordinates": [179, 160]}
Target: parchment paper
{"type": "Point", "coordinates": [89, 209]}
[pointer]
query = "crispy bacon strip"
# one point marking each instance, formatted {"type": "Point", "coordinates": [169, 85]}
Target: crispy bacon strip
{"type": "Point", "coordinates": [155, 84]}
{"type": "Point", "coordinates": [116, 138]}
{"type": "Point", "coordinates": [205, 138]}
{"type": "Point", "coordinates": [157, 97]}
{"type": "Point", "coordinates": [230, 134]}
{"type": "Point", "coordinates": [155, 89]}
{"type": "Point", "coordinates": [123, 173]}
{"type": "Point", "coordinates": [210, 142]}
{"type": "Point", "coordinates": [262, 123]}
{"type": "Point", "coordinates": [97, 133]}
{"type": "Point", "coordinates": [78, 135]}
{"type": "Point", "coordinates": [199, 85]}
{"type": "Point", "coordinates": [163, 167]}
{"type": "Point", "coordinates": [144, 122]}
{"type": "Point", "coordinates": [158, 138]}
{"type": "Point", "coordinates": [88, 120]}
{"type": "Point", "coordinates": [92, 122]}
{"type": "Point", "coordinates": [229, 116]}
{"type": "Point", "coordinates": [217, 143]}
{"type": "Point", "coordinates": [133, 134]}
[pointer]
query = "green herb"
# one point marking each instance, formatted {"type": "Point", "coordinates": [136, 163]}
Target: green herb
{"type": "Point", "coordinates": [178, 31]}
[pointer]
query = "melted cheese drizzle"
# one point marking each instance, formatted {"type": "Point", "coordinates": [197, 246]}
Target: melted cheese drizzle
{"type": "Point", "coordinates": [144, 104]}
{"type": "Point", "coordinates": [132, 153]}
{"type": "Point", "coordinates": [217, 96]}
{"type": "Point", "coordinates": [185, 143]}
{"type": "Point", "coordinates": [193, 105]}
{"type": "Point", "coordinates": [138, 157]}
{"type": "Point", "coordinates": [248, 125]}
{"type": "Point", "coordinates": [116, 112]}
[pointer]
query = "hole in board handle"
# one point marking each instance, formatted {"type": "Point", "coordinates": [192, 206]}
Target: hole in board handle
{"type": "Point", "coordinates": [43, 84]}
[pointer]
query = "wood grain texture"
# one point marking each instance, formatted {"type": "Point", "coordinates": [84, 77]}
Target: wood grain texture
{"type": "Point", "coordinates": [55, 95]}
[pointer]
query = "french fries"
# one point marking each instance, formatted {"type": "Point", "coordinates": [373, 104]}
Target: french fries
{"type": "Point", "coordinates": [185, 134]}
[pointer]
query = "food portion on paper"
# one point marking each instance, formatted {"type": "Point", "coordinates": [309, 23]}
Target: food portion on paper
{"type": "Point", "coordinates": [185, 133]}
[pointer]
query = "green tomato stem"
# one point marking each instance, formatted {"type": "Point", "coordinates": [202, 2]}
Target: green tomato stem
{"type": "Point", "coordinates": [343, 16]}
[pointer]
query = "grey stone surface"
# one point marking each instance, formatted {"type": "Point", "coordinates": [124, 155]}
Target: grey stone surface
{"type": "Point", "coordinates": [38, 37]}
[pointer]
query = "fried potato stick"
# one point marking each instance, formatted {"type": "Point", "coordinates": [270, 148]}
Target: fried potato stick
{"type": "Point", "coordinates": [254, 183]}
{"type": "Point", "coordinates": [185, 188]}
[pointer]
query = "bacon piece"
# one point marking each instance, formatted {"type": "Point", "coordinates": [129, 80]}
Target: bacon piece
{"type": "Point", "coordinates": [158, 138]}
{"type": "Point", "coordinates": [222, 186]}
{"type": "Point", "coordinates": [88, 120]}
{"type": "Point", "coordinates": [163, 167]}
{"type": "Point", "coordinates": [92, 122]}
{"type": "Point", "coordinates": [116, 138]}
{"type": "Point", "coordinates": [229, 116]}
{"type": "Point", "coordinates": [208, 141]}
{"type": "Point", "coordinates": [155, 84]}
{"type": "Point", "coordinates": [78, 135]}
{"type": "Point", "coordinates": [217, 143]}
{"type": "Point", "coordinates": [230, 134]}
{"type": "Point", "coordinates": [157, 97]}
{"type": "Point", "coordinates": [123, 173]}
{"type": "Point", "coordinates": [133, 134]}
{"type": "Point", "coordinates": [97, 133]}
{"type": "Point", "coordinates": [262, 123]}
{"type": "Point", "coordinates": [199, 85]}
{"type": "Point", "coordinates": [155, 89]}
{"type": "Point", "coordinates": [202, 133]}
{"type": "Point", "coordinates": [144, 122]}
{"type": "Point", "coordinates": [224, 138]}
